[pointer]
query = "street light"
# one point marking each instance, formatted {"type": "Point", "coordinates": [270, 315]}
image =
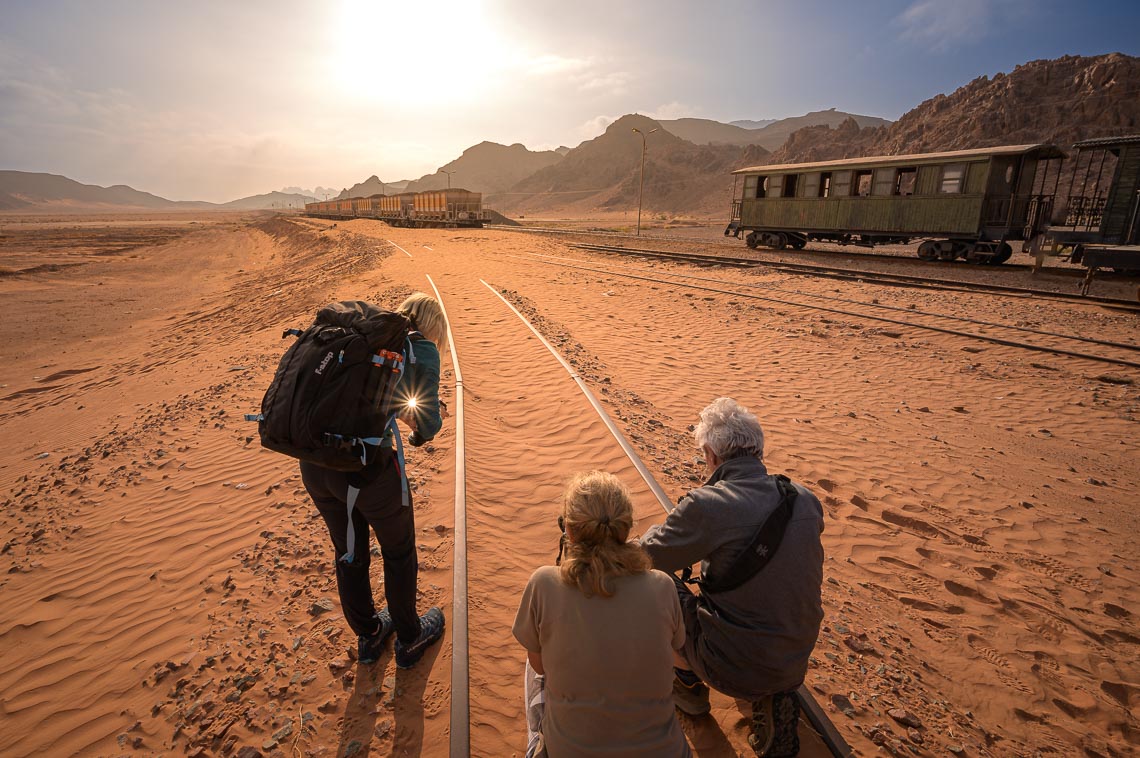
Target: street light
{"type": "Point", "coordinates": [641, 188]}
{"type": "Point", "coordinates": [449, 173]}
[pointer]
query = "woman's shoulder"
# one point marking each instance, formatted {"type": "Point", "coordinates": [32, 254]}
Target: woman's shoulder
{"type": "Point", "coordinates": [545, 576]}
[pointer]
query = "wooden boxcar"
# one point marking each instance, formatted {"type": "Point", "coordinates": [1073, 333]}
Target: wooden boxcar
{"type": "Point", "coordinates": [964, 203]}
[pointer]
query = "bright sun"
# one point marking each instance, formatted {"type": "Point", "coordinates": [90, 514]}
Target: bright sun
{"type": "Point", "coordinates": [408, 52]}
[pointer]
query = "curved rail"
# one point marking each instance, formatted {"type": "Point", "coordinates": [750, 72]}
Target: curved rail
{"type": "Point", "coordinates": [460, 664]}
{"type": "Point", "coordinates": [872, 317]}
{"type": "Point", "coordinates": [883, 306]}
{"type": "Point", "coordinates": [876, 277]}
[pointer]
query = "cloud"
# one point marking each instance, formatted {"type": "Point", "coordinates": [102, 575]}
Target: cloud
{"type": "Point", "coordinates": [941, 25]}
{"type": "Point", "coordinates": [670, 111]}
{"type": "Point", "coordinates": [586, 74]}
{"type": "Point", "coordinates": [595, 126]}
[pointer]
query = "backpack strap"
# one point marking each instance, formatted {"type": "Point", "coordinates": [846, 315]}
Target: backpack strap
{"type": "Point", "coordinates": [763, 546]}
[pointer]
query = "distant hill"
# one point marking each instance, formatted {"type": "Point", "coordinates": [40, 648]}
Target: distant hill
{"type": "Point", "coordinates": [35, 192]}
{"type": "Point", "coordinates": [24, 190]}
{"type": "Point", "coordinates": [745, 124]}
{"type": "Point", "coordinates": [488, 167]}
{"type": "Point", "coordinates": [1046, 101]}
{"type": "Point", "coordinates": [268, 201]}
{"type": "Point", "coordinates": [604, 173]}
{"type": "Point", "coordinates": [771, 135]}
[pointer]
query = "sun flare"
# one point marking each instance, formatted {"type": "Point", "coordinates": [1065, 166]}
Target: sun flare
{"type": "Point", "coordinates": [408, 53]}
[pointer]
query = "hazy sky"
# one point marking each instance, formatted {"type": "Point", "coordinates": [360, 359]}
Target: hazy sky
{"type": "Point", "coordinates": [212, 100]}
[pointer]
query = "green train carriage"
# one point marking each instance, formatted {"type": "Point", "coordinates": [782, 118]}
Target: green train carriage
{"type": "Point", "coordinates": [964, 204]}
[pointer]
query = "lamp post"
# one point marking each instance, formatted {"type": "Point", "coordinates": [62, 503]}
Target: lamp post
{"type": "Point", "coordinates": [449, 173]}
{"type": "Point", "coordinates": [641, 187]}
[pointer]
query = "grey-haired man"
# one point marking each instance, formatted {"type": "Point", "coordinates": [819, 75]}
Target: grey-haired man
{"type": "Point", "coordinates": [752, 641]}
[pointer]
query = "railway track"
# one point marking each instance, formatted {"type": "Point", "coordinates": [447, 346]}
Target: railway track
{"type": "Point", "coordinates": [1115, 353]}
{"type": "Point", "coordinates": [820, 738]}
{"type": "Point", "coordinates": [851, 251]}
{"type": "Point", "coordinates": [874, 277]}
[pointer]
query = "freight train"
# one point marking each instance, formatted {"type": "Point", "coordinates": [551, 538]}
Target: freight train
{"type": "Point", "coordinates": [439, 208]}
{"type": "Point", "coordinates": [967, 204]}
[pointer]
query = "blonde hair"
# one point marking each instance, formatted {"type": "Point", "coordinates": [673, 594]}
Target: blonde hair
{"type": "Point", "coordinates": [427, 314]}
{"type": "Point", "coordinates": [598, 516]}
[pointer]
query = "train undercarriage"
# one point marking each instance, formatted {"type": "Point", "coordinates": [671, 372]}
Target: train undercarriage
{"type": "Point", "coordinates": [969, 250]}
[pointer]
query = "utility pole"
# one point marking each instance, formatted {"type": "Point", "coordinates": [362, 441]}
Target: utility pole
{"type": "Point", "coordinates": [641, 187]}
{"type": "Point", "coordinates": [449, 173]}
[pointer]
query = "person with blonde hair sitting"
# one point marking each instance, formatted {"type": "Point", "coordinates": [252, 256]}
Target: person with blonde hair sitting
{"type": "Point", "coordinates": [600, 629]}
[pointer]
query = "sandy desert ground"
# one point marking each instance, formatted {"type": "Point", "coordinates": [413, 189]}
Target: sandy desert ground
{"type": "Point", "coordinates": [167, 585]}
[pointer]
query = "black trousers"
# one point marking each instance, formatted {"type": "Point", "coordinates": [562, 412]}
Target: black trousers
{"type": "Point", "coordinates": [378, 506]}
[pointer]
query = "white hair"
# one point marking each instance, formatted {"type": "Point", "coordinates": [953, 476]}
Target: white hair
{"type": "Point", "coordinates": [730, 430]}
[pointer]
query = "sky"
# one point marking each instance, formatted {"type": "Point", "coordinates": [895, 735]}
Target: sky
{"type": "Point", "coordinates": [216, 100]}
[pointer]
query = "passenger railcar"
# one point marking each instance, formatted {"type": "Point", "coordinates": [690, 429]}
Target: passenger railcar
{"type": "Point", "coordinates": [1100, 223]}
{"type": "Point", "coordinates": [438, 208]}
{"type": "Point", "coordinates": [964, 203]}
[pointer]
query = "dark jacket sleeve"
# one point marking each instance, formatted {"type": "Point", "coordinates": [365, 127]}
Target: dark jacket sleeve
{"type": "Point", "coordinates": [421, 381]}
{"type": "Point", "coordinates": [684, 538]}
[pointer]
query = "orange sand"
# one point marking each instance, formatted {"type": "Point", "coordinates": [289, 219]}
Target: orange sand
{"type": "Point", "coordinates": [162, 570]}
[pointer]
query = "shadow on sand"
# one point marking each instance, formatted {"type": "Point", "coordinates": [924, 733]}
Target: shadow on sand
{"type": "Point", "coordinates": [370, 703]}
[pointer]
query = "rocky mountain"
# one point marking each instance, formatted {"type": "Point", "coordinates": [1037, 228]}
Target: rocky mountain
{"type": "Point", "coordinates": [1046, 101]}
{"type": "Point", "coordinates": [771, 135]}
{"type": "Point", "coordinates": [488, 167]}
{"type": "Point", "coordinates": [604, 173]}
{"type": "Point", "coordinates": [372, 186]}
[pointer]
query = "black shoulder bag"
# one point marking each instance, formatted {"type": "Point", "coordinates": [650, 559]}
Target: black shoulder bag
{"type": "Point", "coordinates": [763, 546]}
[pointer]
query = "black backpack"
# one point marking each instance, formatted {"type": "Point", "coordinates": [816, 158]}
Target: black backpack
{"type": "Point", "coordinates": [331, 399]}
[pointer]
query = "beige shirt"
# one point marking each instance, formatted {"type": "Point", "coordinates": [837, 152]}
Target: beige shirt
{"type": "Point", "coordinates": [608, 662]}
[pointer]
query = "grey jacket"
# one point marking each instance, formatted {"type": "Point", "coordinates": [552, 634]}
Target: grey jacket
{"type": "Point", "coordinates": [757, 638]}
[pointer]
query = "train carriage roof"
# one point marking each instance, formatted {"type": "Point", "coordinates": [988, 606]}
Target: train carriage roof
{"type": "Point", "coordinates": [1043, 151]}
{"type": "Point", "coordinates": [1130, 139]}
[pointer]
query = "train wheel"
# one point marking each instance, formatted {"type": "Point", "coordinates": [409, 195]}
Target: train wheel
{"type": "Point", "coordinates": [752, 240]}
{"type": "Point", "coordinates": [949, 252]}
{"type": "Point", "coordinates": [928, 250]}
{"type": "Point", "coordinates": [1004, 251]}
{"type": "Point", "coordinates": [797, 241]}
{"type": "Point", "coordinates": [774, 240]}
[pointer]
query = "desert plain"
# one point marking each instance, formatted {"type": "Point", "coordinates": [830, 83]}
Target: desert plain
{"type": "Point", "coordinates": [167, 585]}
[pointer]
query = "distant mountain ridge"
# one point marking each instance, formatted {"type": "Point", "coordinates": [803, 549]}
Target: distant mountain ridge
{"type": "Point", "coordinates": [770, 136]}
{"type": "Point", "coordinates": [31, 191]}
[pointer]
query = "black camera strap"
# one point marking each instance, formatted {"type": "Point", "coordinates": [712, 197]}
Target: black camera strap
{"type": "Point", "coordinates": [763, 546]}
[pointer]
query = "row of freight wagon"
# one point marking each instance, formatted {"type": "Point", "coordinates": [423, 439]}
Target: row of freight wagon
{"type": "Point", "coordinates": [440, 208]}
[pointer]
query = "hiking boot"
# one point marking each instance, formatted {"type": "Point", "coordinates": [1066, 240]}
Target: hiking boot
{"type": "Point", "coordinates": [368, 648]}
{"type": "Point", "coordinates": [431, 629]}
{"type": "Point", "coordinates": [692, 699]}
{"type": "Point", "coordinates": [775, 726]}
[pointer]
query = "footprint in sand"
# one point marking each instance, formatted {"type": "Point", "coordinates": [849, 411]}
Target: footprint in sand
{"type": "Point", "coordinates": [999, 662]}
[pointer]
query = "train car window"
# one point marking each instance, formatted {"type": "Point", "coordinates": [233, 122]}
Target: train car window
{"type": "Point", "coordinates": [884, 182]}
{"type": "Point", "coordinates": [762, 187]}
{"type": "Point", "coordinates": [825, 184]}
{"type": "Point", "coordinates": [905, 181]}
{"type": "Point", "coordinates": [811, 185]}
{"type": "Point", "coordinates": [862, 184]}
{"type": "Point", "coordinates": [750, 183]}
{"type": "Point", "coordinates": [790, 185]}
{"type": "Point", "coordinates": [952, 177]}
{"type": "Point", "coordinates": [842, 181]}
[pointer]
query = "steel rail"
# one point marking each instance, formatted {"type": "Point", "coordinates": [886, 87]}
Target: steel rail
{"type": "Point", "coordinates": [885, 257]}
{"type": "Point", "coordinates": [873, 276]}
{"type": "Point", "coordinates": [460, 664]}
{"type": "Point", "coordinates": [815, 714]}
{"type": "Point", "coordinates": [963, 319]}
{"type": "Point", "coordinates": [870, 317]}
